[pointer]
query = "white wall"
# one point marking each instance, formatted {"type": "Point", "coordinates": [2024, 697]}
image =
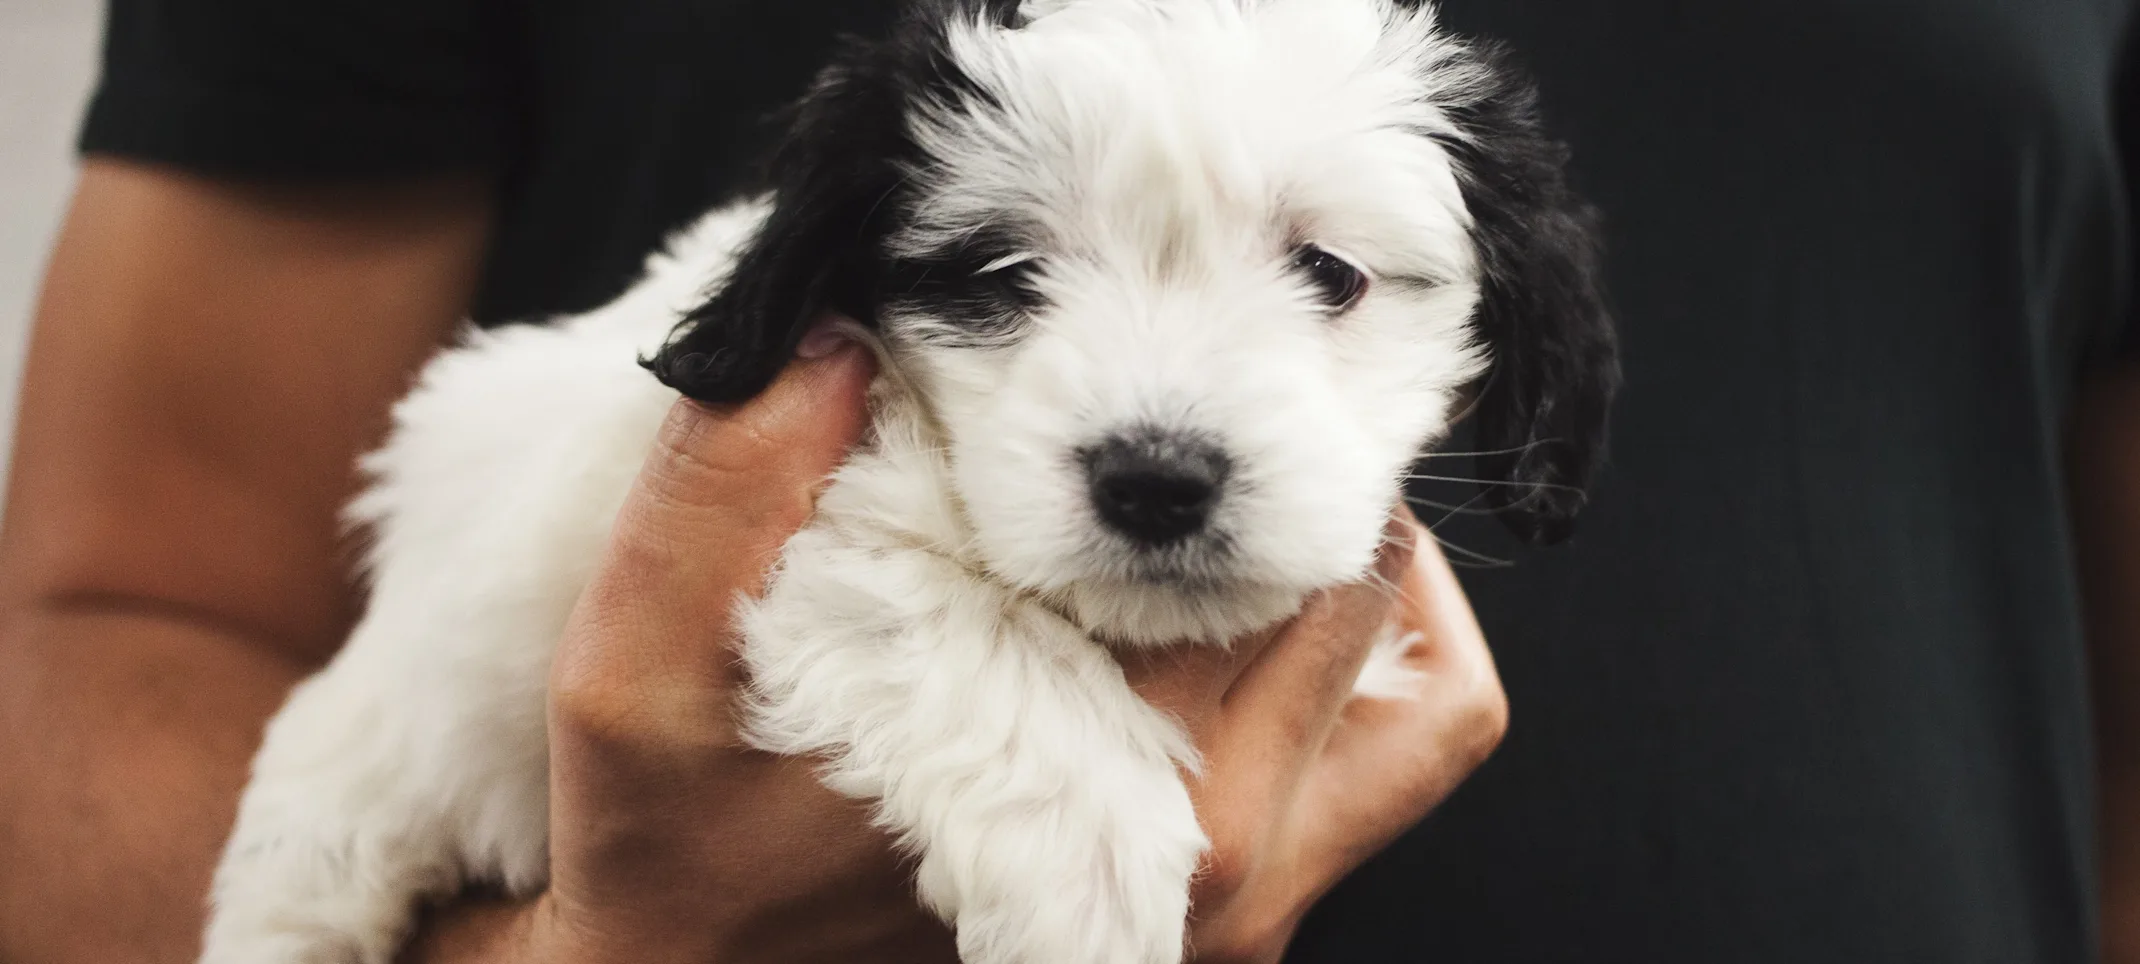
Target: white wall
{"type": "Point", "coordinates": [47, 63]}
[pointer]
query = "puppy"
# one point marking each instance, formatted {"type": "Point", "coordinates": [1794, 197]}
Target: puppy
{"type": "Point", "coordinates": [1170, 293]}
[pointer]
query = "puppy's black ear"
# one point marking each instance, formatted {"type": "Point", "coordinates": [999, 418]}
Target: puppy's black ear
{"type": "Point", "coordinates": [816, 249]}
{"type": "Point", "coordinates": [1542, 409]}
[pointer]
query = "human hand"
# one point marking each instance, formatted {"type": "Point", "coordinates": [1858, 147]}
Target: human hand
{"type": "Point", "coordinates": [673, 840]}
{"type": "Point", "coordinates": [1302, 782]}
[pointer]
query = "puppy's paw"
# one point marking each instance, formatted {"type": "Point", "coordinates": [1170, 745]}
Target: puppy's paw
{"type": "Point", "coordinates": [258, 941]}
{"type": "Point", "coordinates": [294, 893]}
{"type": "Point", "coordinates": [1076, 886]}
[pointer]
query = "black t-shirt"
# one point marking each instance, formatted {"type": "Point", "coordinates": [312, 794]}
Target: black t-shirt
{"type": "Point", "coordinates": [1808, 687]}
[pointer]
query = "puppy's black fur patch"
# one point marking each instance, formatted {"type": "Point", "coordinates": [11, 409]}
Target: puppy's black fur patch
{"type": "Point", "coordinates": [986, 307]}
{"type": "Point", "coordinates": [835, 189]}
{"type": "Point", "coordinates": [1542, 409]}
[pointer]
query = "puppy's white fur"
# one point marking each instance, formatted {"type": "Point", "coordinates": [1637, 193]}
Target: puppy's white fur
{"type": "Point", "coordinates": [939, 632]}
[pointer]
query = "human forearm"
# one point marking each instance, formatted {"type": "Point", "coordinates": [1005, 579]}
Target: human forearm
{"type": "Point", "coordinates": [128, 732]}
{"type": "Point", "coordinates": [2120, 800]}
{"type": "Point", "coordinates": [2106, 525]}
{"type": "Point", "coordinates": [208, 359]}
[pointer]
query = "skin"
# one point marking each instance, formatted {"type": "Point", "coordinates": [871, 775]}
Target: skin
{"type": "Point", "coordinates": [209, 359]}
{"type": "Point", "coordinates": [2105, 473]}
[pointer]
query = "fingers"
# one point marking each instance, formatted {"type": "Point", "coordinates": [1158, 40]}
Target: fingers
{"type": "Point", "coordinates": [1286, 700]}
{"type": "Point", "coordinates": [1296, 684]}
{"type": "Point", "coordinates": [1191, 682]}
{"type": "Point", "coordinates": [725, 488]}
{"type": "Point", "coordinates": [1458, 712]}
{"type": "Point", "coordinates": [1435, 607]}
{"type": "Point", "coordinates": [1305, 665]}
{"type": "Point", "coordinates": [722, 492]}
{"type": "Point", "coordinates": [1391, 761]}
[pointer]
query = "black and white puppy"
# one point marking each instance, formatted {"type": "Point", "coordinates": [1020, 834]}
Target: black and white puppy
{"type": "Point", "coordinates": [1173, 293]}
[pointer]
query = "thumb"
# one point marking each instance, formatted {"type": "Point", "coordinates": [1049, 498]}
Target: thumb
{"type": "Point", "coordinates": [723, 490]}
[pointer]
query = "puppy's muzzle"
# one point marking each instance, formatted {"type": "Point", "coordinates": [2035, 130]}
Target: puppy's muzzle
{"type": "Point", "coordinates": [1155, 487]}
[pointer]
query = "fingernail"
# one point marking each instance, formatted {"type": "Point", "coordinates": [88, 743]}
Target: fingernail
{"type": "Point", "coordinates": [821, 341]}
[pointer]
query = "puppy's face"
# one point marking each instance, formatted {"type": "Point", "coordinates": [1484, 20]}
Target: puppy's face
{"type": "Point", "coordinates": [1188, 284]}
{"type": "Point", "coordinates": [1188, 287]}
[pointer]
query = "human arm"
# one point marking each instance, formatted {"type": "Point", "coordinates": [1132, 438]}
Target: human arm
{"type": "Point", "coordinates": [209, 357]}
{"type": "Point", "coordinates": [2105, 469]}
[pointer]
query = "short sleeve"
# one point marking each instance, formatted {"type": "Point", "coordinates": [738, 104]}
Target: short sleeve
{"type": "Point", "coordinates": [304, 88]}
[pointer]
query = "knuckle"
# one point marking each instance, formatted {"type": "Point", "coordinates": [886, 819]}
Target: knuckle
{"type": "Point", "coordinates": [727, 475]}
{"type": "Point", "coordinates": [1485, 723]}
{"type": "Point", "coordinates": [593, 710]}
{"type": "Point", "coordinates": [1223, 876]}
{"type": "Point", "coordinates": [1230, 861]}
{"type": "Point", "coordinates": [590, 699]}
{"type": "Point", "coordinates": [698, 461]}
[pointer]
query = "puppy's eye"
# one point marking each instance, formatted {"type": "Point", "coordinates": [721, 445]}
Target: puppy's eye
{"type": "Point", "coordinates": [1339, 282]}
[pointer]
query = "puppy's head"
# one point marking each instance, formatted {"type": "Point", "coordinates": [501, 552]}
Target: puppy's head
{"type": "Point", "coordinates": [1188, 285]}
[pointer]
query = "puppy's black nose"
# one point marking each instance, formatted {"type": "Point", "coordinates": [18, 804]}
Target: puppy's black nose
{"type": "Point", "coordinates": [1156, 488]}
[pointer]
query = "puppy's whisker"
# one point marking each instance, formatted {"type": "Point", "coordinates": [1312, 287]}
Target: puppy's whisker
{"type": "Point", "coordinates": [1452, 511]}
{"type": "Point", "coordinates": [1471, 559]}
{"type": "Point", "coordinates": [1461, 509]}
{"type": "Point", "coordinates": [1478, 398]}
{"type": "Point", "coordinates": [1514, 451]}
{"type": "Point", "coordinates": [1547, 486]}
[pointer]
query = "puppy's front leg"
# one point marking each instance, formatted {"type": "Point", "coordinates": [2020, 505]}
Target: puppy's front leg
{"type": "Point", "coordinates": [1042, 797]}
{"type": "Point", "coordinates": [1076, 845]}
